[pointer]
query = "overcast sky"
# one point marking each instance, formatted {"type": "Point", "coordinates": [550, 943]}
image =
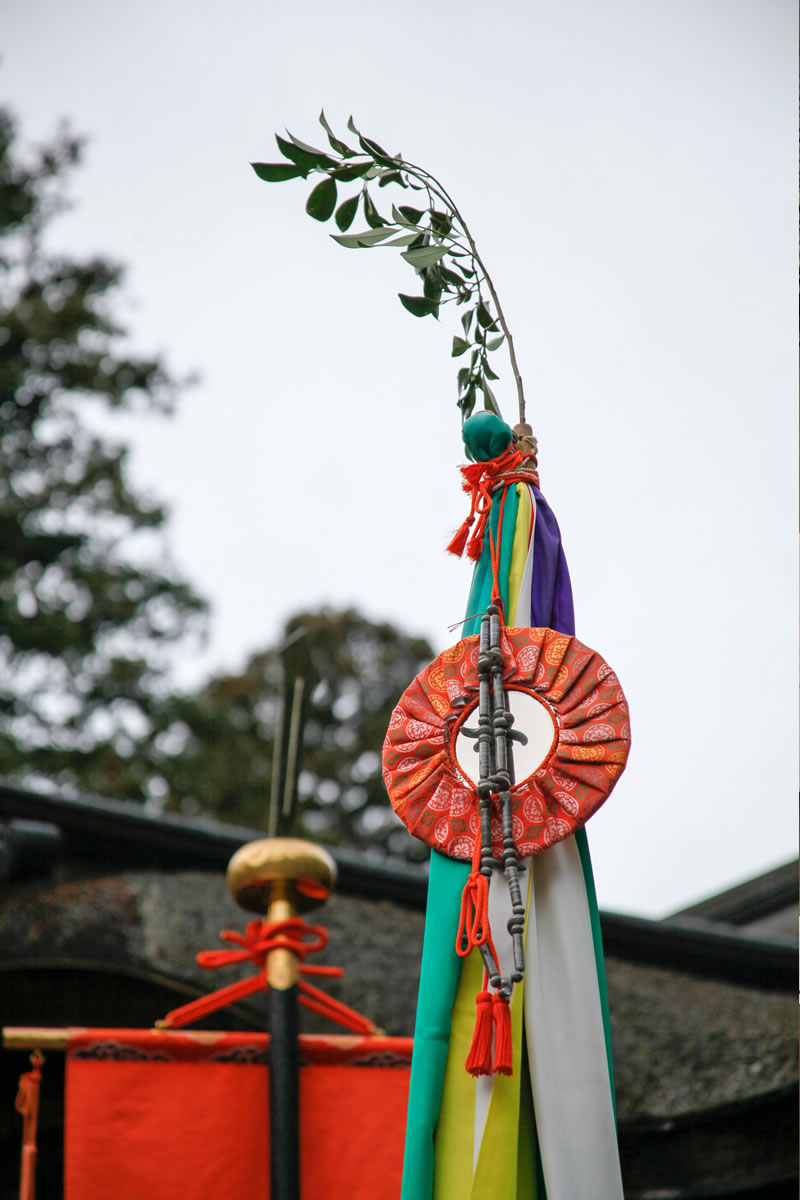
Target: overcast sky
{"type": "Point", "coordinates": [629, 171]}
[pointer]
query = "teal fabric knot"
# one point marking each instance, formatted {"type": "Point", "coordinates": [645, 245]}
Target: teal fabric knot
{"type": "Point", "coordinates": [485, 436]}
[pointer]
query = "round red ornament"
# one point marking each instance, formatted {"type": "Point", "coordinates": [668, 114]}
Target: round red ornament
{"type": "Point", "coordinates": [567, 701]}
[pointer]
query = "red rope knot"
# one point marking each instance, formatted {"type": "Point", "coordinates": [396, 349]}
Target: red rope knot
{"type": "Point", "coordinates": [261, 938]}
{"type": "Point", "coordinates": [481, 480]}
{"type": "Point", "coordinates": [255, 945]}
{"type": "Point", "coordinates": [473, 921]}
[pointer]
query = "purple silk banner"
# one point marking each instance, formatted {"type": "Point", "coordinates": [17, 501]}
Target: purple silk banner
{"type": "Point", "coordinates": [551, 590]}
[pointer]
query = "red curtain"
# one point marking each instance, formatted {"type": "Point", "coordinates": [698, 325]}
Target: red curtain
{"type": "Point", "coordinates": [184, 1116]}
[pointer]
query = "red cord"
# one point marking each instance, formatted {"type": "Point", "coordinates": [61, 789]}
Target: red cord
{"type": "Point", "coordinates": [258, 941]}
{"type": "Point", "coordinates": [481, 480]}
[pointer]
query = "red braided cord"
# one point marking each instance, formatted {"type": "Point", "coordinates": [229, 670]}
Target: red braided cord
{"type": "Point", "coordinates": [481, 480]}
{"type": "Point", "coordinates": [334, 1010]}
{"type": "Point", "coordinates": [473, 922]}
{"type": "Point", "coordinates": [494, 550]}
{"type": "Point", "coordinates": [258, 941]}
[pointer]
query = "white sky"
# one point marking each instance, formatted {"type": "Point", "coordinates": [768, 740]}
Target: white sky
{"type": "Point", "coordinates": [629, 171]}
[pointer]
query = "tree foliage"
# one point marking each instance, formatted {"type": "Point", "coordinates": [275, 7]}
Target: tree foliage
{"type": "Point", "coordinates": [88, 602]}
{"type": "Point", "coordinates": [218, 750]}
{"type": "Point", "coordinates": [90, 607]}
{"type": "Point", "coordinates": [432, 237]}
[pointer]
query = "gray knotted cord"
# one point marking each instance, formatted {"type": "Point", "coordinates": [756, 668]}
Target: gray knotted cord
{"type": "Point", "coordinates": [496, 777]}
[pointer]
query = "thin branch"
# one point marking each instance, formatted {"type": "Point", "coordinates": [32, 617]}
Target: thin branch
{"type": "Point", "coordinates": [420, 173]}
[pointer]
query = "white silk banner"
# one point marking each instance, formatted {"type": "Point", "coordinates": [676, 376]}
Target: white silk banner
{"type": "Point", "coordinates": [562, 1010]}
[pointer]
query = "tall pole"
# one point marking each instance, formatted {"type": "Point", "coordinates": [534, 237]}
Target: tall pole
{"type": "Point", "coordinates": [263, 877]}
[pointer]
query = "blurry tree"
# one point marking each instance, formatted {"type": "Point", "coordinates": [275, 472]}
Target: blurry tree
{"type": "Point", "coordinates": [218, 747]}
{"type": "Point", "coordinates": [88, 604]}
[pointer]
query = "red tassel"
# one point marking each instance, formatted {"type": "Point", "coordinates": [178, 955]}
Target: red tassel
{"type": "Point", "coordinates": [479, 1059]}
{"type": "Point", "coordinates": [502, 1035]}
{"type": "Point", "coordinates": [460, 538]}
{"type": "Point", "coordinates": [476, 545]}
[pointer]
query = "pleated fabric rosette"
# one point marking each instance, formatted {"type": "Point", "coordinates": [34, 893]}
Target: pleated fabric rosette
{"type": "Point", "coordinates": [588, 751]}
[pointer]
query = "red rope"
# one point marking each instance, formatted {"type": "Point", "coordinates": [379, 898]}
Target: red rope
{"type": "Point", "coordinates": [473, 921]}
{"type": "Point", "coordinates": [480, 480]}
{"type": "Point", "coordinates": [27, 1104]}
{"type": "Point", "coordinates": [494, 551]}
{"type": "Point", "coordinates": [257, 943]}
{"type": "Point", "coordinates": [261, 938]}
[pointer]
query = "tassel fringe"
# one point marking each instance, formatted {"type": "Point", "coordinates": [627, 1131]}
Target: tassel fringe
{"type": "Point", "coordinates": [479, 1059]}
{"type": "Point", "coordinates": [501, 1013]}
{"type": "Point", "coordinates": [459, 540]}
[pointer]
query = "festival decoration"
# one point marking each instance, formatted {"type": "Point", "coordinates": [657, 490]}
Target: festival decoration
{"type": "Point", "coordinates": [460, 1124]}
{"type": "Point", "coordinates": [538, 1120]}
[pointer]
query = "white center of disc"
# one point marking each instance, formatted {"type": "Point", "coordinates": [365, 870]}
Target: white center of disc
{"type": "Point", "coordinates": [531, 717]}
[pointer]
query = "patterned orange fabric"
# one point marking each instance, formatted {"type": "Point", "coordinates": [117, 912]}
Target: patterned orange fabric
{"type": "Point", "coordinates": [439, 804]}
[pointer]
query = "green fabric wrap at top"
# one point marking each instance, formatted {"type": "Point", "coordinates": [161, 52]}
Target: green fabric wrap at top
{"type": "Point", "coordinates": [441, 965]}
{"type": "Point", "coordinates": [485, 436]}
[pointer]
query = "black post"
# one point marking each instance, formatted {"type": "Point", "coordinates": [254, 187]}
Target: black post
{"type": "Point", "coordinates": [262, 877]}
{"type": "Point", "coordinates": [284, 1053]}
{"type": "Point", "coordinates": [284, 1094]}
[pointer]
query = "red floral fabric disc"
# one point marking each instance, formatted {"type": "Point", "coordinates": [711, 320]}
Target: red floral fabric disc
{"type": "Point", "coordinates": [436, 800]}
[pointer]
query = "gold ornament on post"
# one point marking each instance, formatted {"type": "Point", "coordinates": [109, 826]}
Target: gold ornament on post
{"type": "Point", "coordinates": [267, 877]}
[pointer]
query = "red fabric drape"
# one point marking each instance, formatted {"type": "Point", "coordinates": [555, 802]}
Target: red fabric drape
{"type": "Point", "coordinates": [167, 1116]}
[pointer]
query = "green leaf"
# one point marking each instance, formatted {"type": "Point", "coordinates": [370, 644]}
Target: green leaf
{"type": "Point", "coordinates": [405, 239]}
{"type": "Point", "coordinates": [432, 288]}
{"type": "Point", "coordinates": [392, 177]}
{"type": "Point", "coordinates": [489, 402]}
{"type": "Point", "coordinates": [424, 256]}
{"type": "Point", "coordinates": [485, 318]}
{"type": "Point", "coordinates": [488, 372]}
{"type": "Point", "coordinates": [351, 171]}
{"type": "Point", "coordinates": [496, 343]}
{"type": "Point", "coordinates": [369, 237]}
{"type": "Point", "coordinates": [277, 172]}
{"type": "Point", "coordinates": [418, 306]}
{"type": "Point", "coordinates": [351, 126]}
{"type": "Point", "coordinates": [378, 153]}
{"type": "Point", "coordinates": [440, 222]}
{"type": "Point", "coordinates": [463, 376]}
{"type": "Point", "coordinates": [414, 215]}
{"type": "Point", "coordinates": [322, 201]}
{"type": "Point", "coordinates": [467, 401]}
{"type": "Point", "coordinates": [399, 218]}
{"type": "Point", "coordinates": [374, 218]}
{"type": "Point", "coordinates": [459, 347]}
{"type": "Point", "coordinates": [466, 321]}
{"type": "Point", "coordinates": [459, 266]}
{"type": "Point", "coordinates": [451, 277]}
{"type": "Point", "coordinates": [336, 144]}
{"type": "Point", "coordinates": [303, 158]}
{"type": "Point", "coordinates": [320, 154]}
{"type": "Point", "coordinates": [345, 213]}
